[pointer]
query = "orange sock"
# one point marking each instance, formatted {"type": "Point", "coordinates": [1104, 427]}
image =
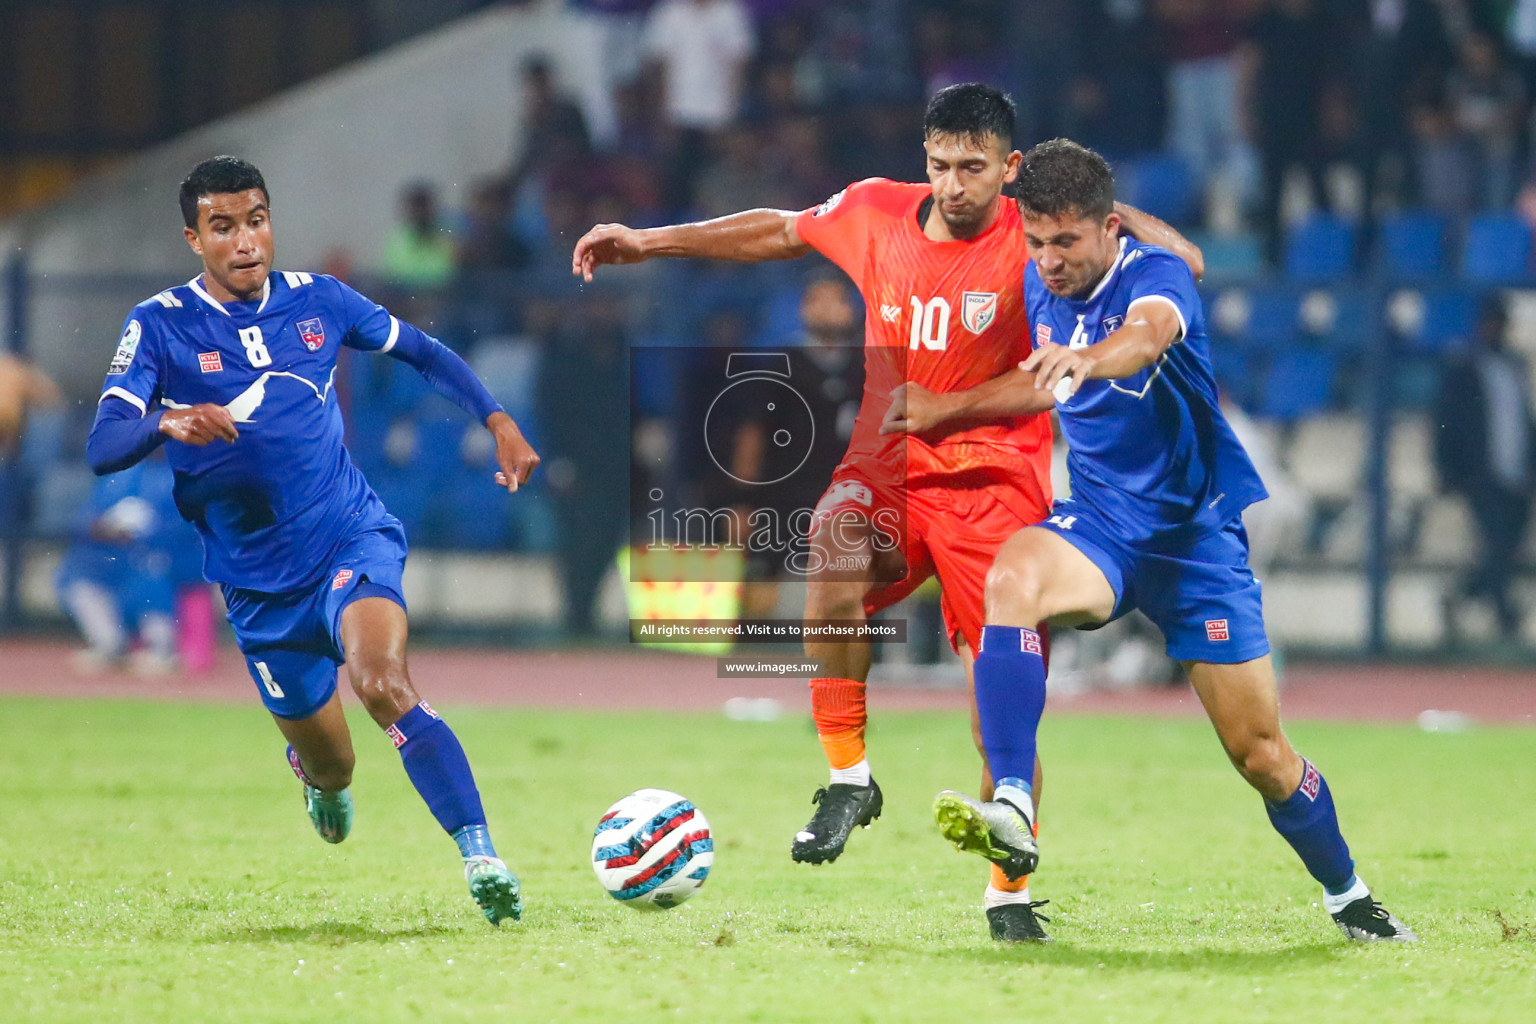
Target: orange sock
{"type": "Point", "coordinates": [1000, 881]}
{"type": "Point", "coordinates": [837, 706]}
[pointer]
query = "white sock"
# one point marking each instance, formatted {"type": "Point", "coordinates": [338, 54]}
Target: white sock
{"type": "Point", "coordinates": [1357, 890]}
{"type": "Point", "coordinates": [1019, 798]}
{"type": "Point", "coordinates": [858, 775]}
{"type": "Point", "coordinates": [999, 898]}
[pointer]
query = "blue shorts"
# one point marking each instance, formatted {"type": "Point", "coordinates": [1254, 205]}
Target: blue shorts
{"type": "Point", "coordinates": [292, 641]}
{"type": "Point", "coordinates": [1195, 586]}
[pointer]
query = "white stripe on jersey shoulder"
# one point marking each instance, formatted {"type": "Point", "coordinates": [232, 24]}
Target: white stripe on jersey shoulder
{"type": "Point", "coordinates": [394, 334]}
{"type": "Point", "coordinates": [1183, 327]}
{"type": "Point", "coordinates": [1114, 268]}
{"type": "Point", "coordinates": [298, 278]}
{"type": "Point", "coordinates": [197, 287]}
{"type": "Point", "coordinates": [167, 299]}
{"type": "Point", "coordinates": [127, 396]}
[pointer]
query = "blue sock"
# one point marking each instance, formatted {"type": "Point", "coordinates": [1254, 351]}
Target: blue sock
{"type": "Point", "coordinates": [1307, 820]}
{"type": "Point", "coordinates": [438, 769]}
{"type": "Point", "coordinates": [1010, 698]}
{"type": "Point", "coordinates": [474, 841]}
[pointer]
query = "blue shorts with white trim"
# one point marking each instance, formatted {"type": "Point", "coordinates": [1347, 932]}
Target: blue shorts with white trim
{"type": "Point", "coordinates": [292, 640]}
{"type": "Point", "coordinates": [1195, 585]}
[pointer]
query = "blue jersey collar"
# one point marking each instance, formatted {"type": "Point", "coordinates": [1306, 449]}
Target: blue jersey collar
{"type": "Point", "coordinates": [196, 284]}
{"type": "Point", "coordinates": [1109, 274]}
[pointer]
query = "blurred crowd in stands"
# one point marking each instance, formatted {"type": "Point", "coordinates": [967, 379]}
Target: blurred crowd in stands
{"type": "Point", "coordinates": [1310, 145]}
{"type": "Point", "coordinates": [1266, 107]}
{"type": "Point", "coordinates": [1285, 135]}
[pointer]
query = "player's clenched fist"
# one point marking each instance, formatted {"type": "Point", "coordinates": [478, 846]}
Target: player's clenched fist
{"type": "Point", "coordinates": [915, 410]}
{"type": "Point", "coordinates": [514, 454]}
{"type": "Point", "coordinates": [606, 243]}
{"type": "Point", "coordinates": [199, 425]}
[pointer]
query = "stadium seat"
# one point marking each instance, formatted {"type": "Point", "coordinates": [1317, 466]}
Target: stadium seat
{"type": "Point", "coordinates": [1298, 383]}
{"type": "Point", "coordinates": [1450, 320]}
{"type": "Point", "coordinates": [1327, 454]}
{"type": "Point", "coordinates": [1272, 317]}
{"type": "Point", "coordinates": [508, 366]}
{"type": "Point", "coordinates": [1234, 373]}
{"type": "Point", "coordinates": [1353, 322]}
{"type": "Point", "coordinates": [1416, 382]}
{"type": "Point", "coordinates": [367, 425]}
{"type": "Point", "coordinates": [1411, 246]}
{"type": "Point", "coordinates": [1230, 257]}
{"type": "Point", "coordinates": [1410, 460]}
{"type": "Point", "coordinates": [1498, 249]}
{"type": "Point", "coordinates": [406, 492]}
{"type": "Point", "coordinates": [1445, 534]}
{"type": "Point", "coordinates": [1321, 248]}
{"type": "Point", "coordinates": [468, 513]}
{"type": "Point", "coordinates": [1161, 184]}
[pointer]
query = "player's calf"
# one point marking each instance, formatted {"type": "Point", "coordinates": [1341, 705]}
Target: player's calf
{"type": "Point", "coordinates": [435, 762]}
{"type": "Point", "coordinates": [330, 810]}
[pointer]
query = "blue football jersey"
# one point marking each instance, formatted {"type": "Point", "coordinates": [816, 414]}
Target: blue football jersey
{"type": "Point", "coordinates": [274, 505]}
{"type": "Point", "coordinates": [1152, 450]}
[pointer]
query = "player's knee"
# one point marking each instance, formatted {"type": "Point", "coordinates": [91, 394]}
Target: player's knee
{"type": "Point", "coordinates": [834, 601]}
{"type": "Point", "coordinates": [1013, 592]}
{"type": "Point", "coordinates": [1262, 760]}
{"type": "Point", "coordinates": [384, 687]}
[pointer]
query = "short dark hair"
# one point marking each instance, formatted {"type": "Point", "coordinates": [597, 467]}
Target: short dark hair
{"type": "Point", "coordinates": [1060, 177]}
{"type": "Point", "coordinates": [218, 175]}
{"type": "Point", "coordinates": [971, 111]}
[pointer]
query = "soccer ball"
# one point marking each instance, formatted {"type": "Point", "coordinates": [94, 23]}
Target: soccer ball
{"type": "Point", "coordinates": [652, 849]}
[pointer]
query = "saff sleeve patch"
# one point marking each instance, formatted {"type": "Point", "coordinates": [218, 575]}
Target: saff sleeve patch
{"type": "Point", "coordinates": [126, 347]}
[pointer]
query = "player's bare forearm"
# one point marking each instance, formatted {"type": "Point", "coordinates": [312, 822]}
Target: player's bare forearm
{"type": "Point", "coordinates": [1146, 228]}
{"type": "Point", "coordinates": [748, 237]}
{"type": "Point", "coordinates": [514, 454]}
{"type": "Point", "coordinates": [1129, 350]}
{"type": "Point", "coordinates": [752, 236]}
{"type": "Point", "coordinates": [916, 410]}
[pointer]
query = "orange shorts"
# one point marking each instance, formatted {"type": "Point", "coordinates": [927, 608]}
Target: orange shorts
{"type": "Point", "coordinates": [952, 529]}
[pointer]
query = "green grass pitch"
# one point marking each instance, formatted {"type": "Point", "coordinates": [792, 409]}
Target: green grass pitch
{"type": "Point", "coordinates": [156, 865]}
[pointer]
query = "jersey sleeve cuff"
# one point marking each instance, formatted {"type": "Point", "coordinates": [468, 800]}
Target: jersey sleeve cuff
{"type": "Point", "coordinates": [1183, 324]}
{"type": "Point", "coordinates": [127, 396]}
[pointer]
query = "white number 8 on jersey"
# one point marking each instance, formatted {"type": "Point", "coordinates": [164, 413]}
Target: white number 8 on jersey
{"type": "Point", "coordinates": [255, 346]}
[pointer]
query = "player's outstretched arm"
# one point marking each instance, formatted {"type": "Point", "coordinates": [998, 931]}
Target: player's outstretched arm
{"type": "Point", "coordinates": [1150, 327]}
{"type": "Point", "coordinates": [750, 237]}
{"type": "Point", "coordinates": [916, 410]}
{"type": "Point", "coordinates": [1146, 228]}
{"type": "Point", "coordinates": [451, 377]}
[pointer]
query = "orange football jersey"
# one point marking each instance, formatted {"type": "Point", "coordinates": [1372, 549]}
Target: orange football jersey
{"type": "Point", "coordinates": [946, 315]}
